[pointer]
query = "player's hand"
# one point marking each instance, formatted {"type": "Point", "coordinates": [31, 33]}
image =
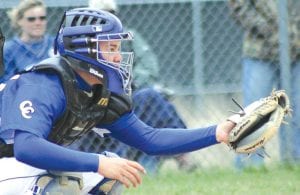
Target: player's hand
{"type": "Point", "coordinates": [223, 130]}
{"type": "Point", "coordinates": [125, 171]}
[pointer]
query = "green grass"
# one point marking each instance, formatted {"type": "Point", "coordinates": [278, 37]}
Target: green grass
{"type": "Point", "coordinates": [281, 180]}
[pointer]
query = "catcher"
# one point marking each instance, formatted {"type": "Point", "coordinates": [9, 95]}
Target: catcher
{"type": "Point", "coordinates": [86, 89]}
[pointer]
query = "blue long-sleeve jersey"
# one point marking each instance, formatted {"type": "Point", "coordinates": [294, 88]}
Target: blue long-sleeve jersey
{"type": "Point", "coordinates": [33, 102]}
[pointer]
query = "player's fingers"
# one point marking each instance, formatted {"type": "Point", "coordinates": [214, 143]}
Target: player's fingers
{"type": "Point", "coordinates": [133, 178]}
{"type": "Point", "coordinates": [137, 166]}
{"type": "Point", "coordinates": [124, 181]}
{"type": "Point", "coordinates": [136, 173]}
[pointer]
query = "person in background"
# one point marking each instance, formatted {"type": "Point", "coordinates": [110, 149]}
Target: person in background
{"type": "Point", "coordinates": [146, 99]}
{"type": "Point", "coordinates": [260, 61]}
{"type": "Point", "coordinates": [31, 44]}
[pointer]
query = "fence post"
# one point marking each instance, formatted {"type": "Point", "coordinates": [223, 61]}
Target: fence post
{"type": "Point", "coordinates": [285, 74]}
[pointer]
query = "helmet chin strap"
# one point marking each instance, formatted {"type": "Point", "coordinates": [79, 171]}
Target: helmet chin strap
{"type": "Point", "coordinates": [89, 78]}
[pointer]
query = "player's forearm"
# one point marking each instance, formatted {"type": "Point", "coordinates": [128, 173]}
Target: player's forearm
{"type": "Point", "coordinates": [42, 154]}
{"type": "Point", "coordinates": [175, 141]}
{"type": "Point", "coordinates": [134, 132]}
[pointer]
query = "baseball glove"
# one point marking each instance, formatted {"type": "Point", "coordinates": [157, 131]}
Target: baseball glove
{"type": "Point", "coordinates": [258, 122]}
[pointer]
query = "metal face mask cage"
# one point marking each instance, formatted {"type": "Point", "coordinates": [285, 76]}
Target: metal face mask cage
{"type": "Point", "coordinates": [114, 51]}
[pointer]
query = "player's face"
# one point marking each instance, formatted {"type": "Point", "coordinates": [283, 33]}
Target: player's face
{"type": "Point", "coordinates": [114, 52]}
{"type": "Point", "coordinates": [33, 23]}
{"type": "Point", "coordinates": [110, 51]}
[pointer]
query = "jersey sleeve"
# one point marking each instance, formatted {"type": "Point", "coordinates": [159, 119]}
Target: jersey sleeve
{"type": "Point", "coordinates": [43, 154]}
{"type": "Point", "coordinates": [160, 141]}
{"type": "Point", "coordinates": [31, 106]}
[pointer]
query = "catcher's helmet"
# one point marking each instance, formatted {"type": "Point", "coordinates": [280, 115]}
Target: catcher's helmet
{"type": "Point", "coordinates": [79, 37]}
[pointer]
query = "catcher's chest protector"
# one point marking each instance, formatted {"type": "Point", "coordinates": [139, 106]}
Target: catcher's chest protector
{"type": "Point", "coordinates": [83, 111]}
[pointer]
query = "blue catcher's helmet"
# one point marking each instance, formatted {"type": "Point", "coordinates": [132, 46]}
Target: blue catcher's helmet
{"type": "Point", "coordinates": [79, 39]}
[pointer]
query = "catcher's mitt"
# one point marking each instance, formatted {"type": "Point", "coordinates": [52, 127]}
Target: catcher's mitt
{"type": "Point", "coordinates": [258, 122]}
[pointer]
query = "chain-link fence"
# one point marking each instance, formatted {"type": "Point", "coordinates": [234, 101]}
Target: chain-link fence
{"type": "Point", "coordinates": [199, 47]}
